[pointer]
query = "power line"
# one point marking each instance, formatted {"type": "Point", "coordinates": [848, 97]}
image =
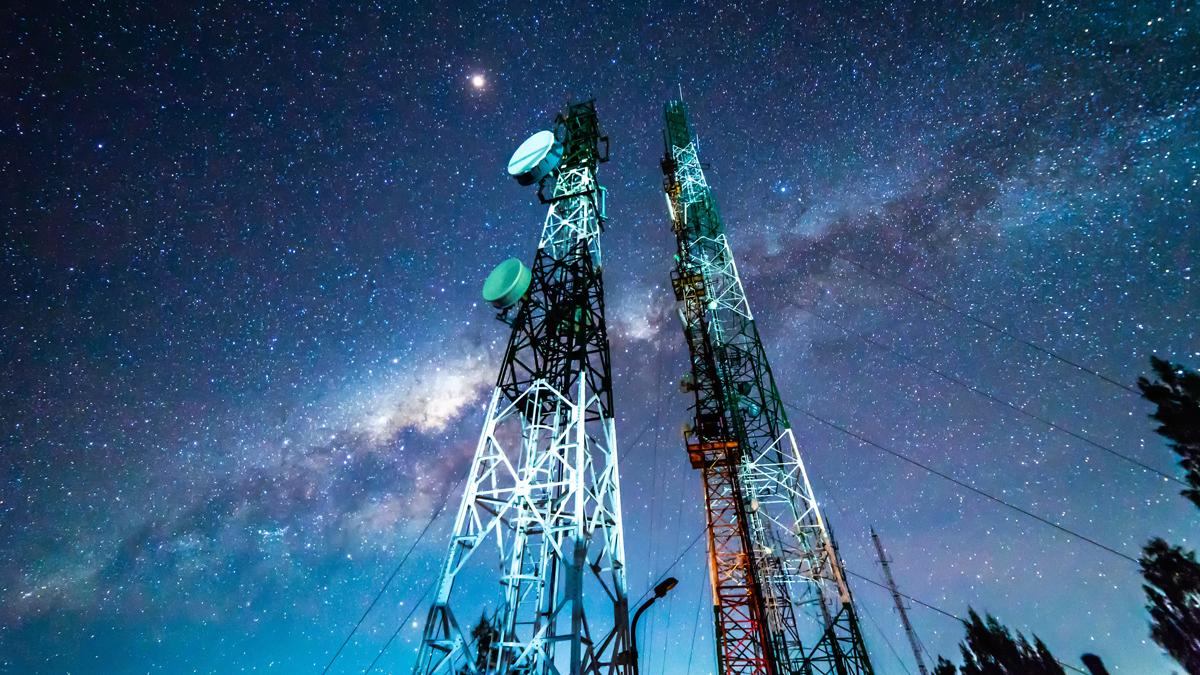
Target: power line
{"type": "Point", "coordinates": [398, 628]}
{"type": "Point", "coordinates": [406, 555]}
{"type": "Point", "coordinates": [695, 629]}
{"type": "Point", "coordinates": [898, 455]}
{"type": "Point", "coordinates": [940, 611]}
{"type": "Point", "coordinates": [672, 565]}
{"type": "Point", "coordinates": [635, 441]}
{"type": "Point", "coordinates": [886, 641]}
{"type": "Point", "coordinates": [655, 550]}
{"type": "Point", "coordinates": [872, 581]}
{"type": "Point", "coordinates": [961, 484]}
{"type": "Point", "coordinates": [975, 319]}
{"type": "Point", "coordinates": [393, 576]}
{"type": "Point", "coordinates": [986, 395]}
{"type": "Point", "coordinates": [699, 534]}
{"type": "Point", "coordinates": [907, 597]}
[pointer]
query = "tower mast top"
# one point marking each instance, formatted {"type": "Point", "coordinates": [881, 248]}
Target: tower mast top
{"type": "Point", "coordinates": [782, 602]}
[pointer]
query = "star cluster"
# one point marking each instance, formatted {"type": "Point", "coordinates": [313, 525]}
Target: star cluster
{"type": "Point", "coordinates": [245, 356]}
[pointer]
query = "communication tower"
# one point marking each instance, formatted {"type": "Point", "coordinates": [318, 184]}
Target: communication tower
{"type": "Point", "coordinates": [537, 546]}
{"type": "Point", "coordinates": [781, 601]}
{"type": "Point", "coordinates": [908, 629]}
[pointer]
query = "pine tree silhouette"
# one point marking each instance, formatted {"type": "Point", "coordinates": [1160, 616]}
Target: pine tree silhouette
{"type": "Point", "coordinates": [944, 667]}
{"type": "Point", "coordinates": [1177, 395]}
{"type": "Point", "coordinates": [1172, 574]}
{"type": "Point", "coordinates": [1173, 587]}
{"type": "Point", "coordinates": [990, 649]}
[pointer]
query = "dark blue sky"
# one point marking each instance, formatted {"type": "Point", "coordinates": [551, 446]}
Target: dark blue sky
{"type": "Point", "coordinates": [244, 357]}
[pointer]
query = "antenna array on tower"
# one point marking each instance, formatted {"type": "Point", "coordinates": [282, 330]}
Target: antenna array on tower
{"type": "Point", "coordinates": [781, 601]}
{"type": "Point", "coordinates": [538, 542]}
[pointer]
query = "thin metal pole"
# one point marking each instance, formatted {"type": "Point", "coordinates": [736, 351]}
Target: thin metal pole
{"type": "Point", "coordinates": [908, 629]}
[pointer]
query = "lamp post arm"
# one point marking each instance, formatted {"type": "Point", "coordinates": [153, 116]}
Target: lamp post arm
{"type": "Point", "coordinates": [633, 632]}
{"type": "Point", "coordinates": [660, 590]}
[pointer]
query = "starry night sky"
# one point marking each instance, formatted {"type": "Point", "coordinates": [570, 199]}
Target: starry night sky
{"type": "Point", "coordinates": [245, 358]}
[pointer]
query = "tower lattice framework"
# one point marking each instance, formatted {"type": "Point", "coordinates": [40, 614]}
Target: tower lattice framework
{"type": "Point", "coordinates": [781, 602]}
{"type": "Point", "coordinates": [537, 547]}
{"type": "Point", "coordinates": [891, 584]}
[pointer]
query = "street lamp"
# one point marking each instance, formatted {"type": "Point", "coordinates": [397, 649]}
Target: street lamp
{"type": "Point", "coordinates": [660, 590]}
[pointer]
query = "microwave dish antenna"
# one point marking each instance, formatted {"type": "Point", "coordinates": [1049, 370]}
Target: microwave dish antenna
{"type": "Point", "coordinates": [537, 157]}
{"type": "Point", "coordinates": [506, 284]}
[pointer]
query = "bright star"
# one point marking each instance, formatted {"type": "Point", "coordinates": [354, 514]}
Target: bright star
{"type": "Point", "coordinates": [478, 81]}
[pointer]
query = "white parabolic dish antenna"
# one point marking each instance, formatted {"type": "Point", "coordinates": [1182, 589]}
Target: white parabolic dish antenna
{"type": "Point", "coordinates": [537, 157]}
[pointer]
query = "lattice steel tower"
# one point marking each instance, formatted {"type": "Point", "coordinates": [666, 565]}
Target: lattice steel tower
{"type": "Point", "coordinates": [891, 584]}
{"type": "Point", "coordinates": [537, 547]}
{"type": "Point", "coordinates": [782, 605]}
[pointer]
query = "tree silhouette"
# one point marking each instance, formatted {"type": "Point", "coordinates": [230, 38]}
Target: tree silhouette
{"type": "Point", "coordinates": [990, 649]}
{"type": "Point", "coordinates": [1172, 574]}
{"type": "Point", "coordinates": [1173, 587]}
{"type": "Point", "coordinates": [944, 667]}
{"type": "Point", "coordinates": [1177, 395]}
